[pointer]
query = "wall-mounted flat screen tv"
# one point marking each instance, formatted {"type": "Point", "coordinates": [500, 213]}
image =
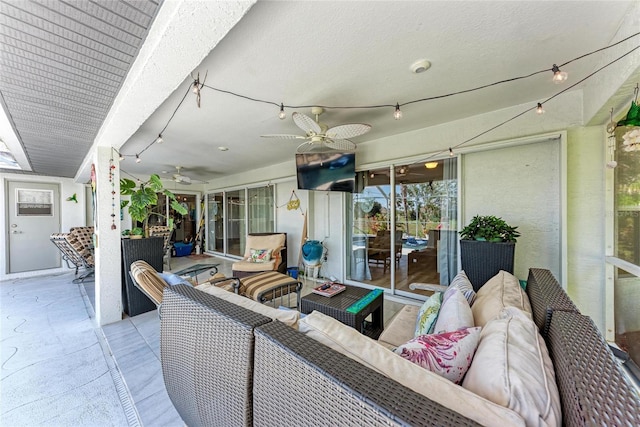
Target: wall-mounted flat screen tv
{"type": "Point", "coordinates": [333, 171]}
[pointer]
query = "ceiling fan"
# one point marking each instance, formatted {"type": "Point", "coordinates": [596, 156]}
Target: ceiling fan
{"type": "Point", "coordinates": [181, 179]}
{"type": "Point", "coordinates": [319, 136]}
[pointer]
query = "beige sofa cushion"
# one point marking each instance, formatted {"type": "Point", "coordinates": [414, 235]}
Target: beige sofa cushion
{"type": "Point", "coordinates": [401, 328]}
{"type": "Point", "coordinates": [254, 266]}
{"type": "Point", "coordinates": [502, 290]}
{"type": "Point", "coordinates": [368, 352]}
{"type": "Point", "coordinates": [288, 317]}
{"type": "Point", "coordinates": [272, 241]}
{"type": "Point", "coordinates": [512, 368]}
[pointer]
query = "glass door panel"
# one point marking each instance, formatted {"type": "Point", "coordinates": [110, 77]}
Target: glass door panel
{"type": "Point", "coordinates": [261, 211]}
{"type": "Point", "coordinates": [425, 212]}
{"type": "Point", "coordinates": [236, 227]}
{"type": "Point", "coordinates": [215, 215]}
{"type": "Point", "coordinates": [369, 254]}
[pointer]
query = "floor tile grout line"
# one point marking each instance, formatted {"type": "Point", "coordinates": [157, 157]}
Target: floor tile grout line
{"type": "Point", "coordinates": [126, 400]}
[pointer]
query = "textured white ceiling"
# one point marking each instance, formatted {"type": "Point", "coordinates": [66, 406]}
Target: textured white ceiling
{"type": "Point", "coordinates": [302, 53]}
{"type": "Point", "coordinates": [359, 53]}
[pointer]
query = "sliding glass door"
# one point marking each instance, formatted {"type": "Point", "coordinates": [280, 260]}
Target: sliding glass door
{"type": "Point", "coordinates": [231, 215]}
{"type": "Point", "coordinates": [407, 236]}
{"type": "Point", "coordinates": [215, 224]}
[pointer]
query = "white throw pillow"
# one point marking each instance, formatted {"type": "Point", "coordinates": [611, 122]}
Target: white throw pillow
{"type": "Point", "coordinates": [448, 354]}
{"type": "Point", "coordinates": [502, 290]}
{"type": "Point", "coordinates": [368, 352]}
{"type": "Point", "coordinates": [288, 317]}
{"type": "Point", "coordinates": [512, 368]}
{"type": "Point", "coordinates": [455, 313]}
{"type": "Point", "coordinates": [461, 282]}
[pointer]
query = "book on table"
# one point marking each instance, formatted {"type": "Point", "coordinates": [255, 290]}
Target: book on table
{"type": "Point", "coordinates": [329, 289]}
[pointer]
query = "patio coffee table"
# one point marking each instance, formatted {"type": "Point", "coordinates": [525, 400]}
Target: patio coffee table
{"type": "Point", "coordinates": [351, 307]}
{"type": "Point", "coordinates": [196, 269]}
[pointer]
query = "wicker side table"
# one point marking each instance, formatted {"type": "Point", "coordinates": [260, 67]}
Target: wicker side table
{"type": "Point", "coordinates": [337, 305]}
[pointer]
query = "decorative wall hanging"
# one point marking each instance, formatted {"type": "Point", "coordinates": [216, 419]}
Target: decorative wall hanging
{"type": "Point", "coordinates": [113, 193]}
{"type": "Point", "coordinates": [73, 198]}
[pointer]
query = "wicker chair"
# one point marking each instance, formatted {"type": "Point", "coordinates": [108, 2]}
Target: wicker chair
{"type": "Point", "coordinates": [164, 232]}
{"type": "Point", "coordinates": [379, 250]}
{"type": "Point", "coordinates": [76, 247]}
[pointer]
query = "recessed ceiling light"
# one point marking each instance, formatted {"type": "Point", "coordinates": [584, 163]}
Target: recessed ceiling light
{"type": "Point", "coordinates": [223, 148]}
{"type": "Point", "coordinates": [420, 66]}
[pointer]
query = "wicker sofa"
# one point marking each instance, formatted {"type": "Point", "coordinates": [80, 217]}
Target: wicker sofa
{"type": "Point", "coordinates": [227, 365]}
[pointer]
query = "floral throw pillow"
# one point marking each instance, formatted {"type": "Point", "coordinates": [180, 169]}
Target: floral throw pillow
{"type": "Point", "coordinates": [448, 354]}
{"type": "Point", "coordinates": [260, 255]}
{"type": "Point", "coordinates": [428, 315]}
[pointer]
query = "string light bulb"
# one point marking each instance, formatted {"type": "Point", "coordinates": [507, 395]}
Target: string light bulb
{"type": "Point", "coordinates": [159, 140]}
{"type": "Point", "coordinates": [450, 152]}
{"type": "Point", "coordinates": [397, 114]}
{"type": "Point", "coordinates": [282, 115]}
{"type": "Point", "coordinates": [539, 109]}
{"type": "Point", "coordinates": [138, 159]}
{"type": "Point", "coordinates": [120, 156]}
{"type": "Point", "coordinates": [373, 175]}
{"type": "Point", "coordinates": [558, 76]}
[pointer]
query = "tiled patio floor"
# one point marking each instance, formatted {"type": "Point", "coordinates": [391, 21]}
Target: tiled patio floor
{"type": "Point", "coordinates": [59, 369]}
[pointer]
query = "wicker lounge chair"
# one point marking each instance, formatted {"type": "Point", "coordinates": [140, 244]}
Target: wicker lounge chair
{"type": "Point", "coordinates": [76, 247]}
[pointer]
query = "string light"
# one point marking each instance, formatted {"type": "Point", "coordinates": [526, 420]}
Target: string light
{"type": "Point", "coordinates": [159, 140]}
{"type": "Point", "coordinates": [282, 114]}
{"type": "Point", "coordinates": [397, 114]}
{"type": "Point", "coordinates": [120, 156]}
{"type": "Point", "coordinates": [539, 109]}
{"type": "Point", "coordinates": [558, 76]}
{"type": "Point", "coordinates": [450, 152]}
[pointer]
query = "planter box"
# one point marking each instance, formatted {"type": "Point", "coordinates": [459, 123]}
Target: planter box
{"type": "Point", "coordinates": [483, 260]}
{"type": "Point", "coordinates": [134, 302]}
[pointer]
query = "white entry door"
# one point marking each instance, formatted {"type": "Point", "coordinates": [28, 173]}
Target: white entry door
{"type": "Point", "coordinates": [33, 215]}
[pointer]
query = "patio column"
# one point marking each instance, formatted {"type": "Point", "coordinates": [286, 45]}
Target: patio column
{"type": "Point", "coordinates": [107, 246]}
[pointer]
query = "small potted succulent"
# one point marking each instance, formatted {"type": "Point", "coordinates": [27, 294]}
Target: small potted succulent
{"type": "Point", "coordinates": [487, 245]}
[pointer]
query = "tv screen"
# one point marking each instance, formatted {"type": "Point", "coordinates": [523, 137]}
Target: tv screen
{"type": "Point", "coordinates": [332, 171]}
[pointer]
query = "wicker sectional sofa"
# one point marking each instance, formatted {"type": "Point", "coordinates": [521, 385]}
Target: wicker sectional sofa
{"type": "Point", "coordinates": [227, 365]}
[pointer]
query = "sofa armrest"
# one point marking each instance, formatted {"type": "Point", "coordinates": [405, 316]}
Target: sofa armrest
{"type": "Point", "coordinates": [428, 287]}
{"type": "Point", "coordinates": [341, 389]}
{"type": "Point", "coordinates": [206, 352]}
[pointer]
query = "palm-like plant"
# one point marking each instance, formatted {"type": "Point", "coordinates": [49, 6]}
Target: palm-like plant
{"type": "Point", "coordinates": [145, 197]}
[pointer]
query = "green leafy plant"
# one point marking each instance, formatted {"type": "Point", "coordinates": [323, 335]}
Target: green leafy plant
{"type": "Point", "coordinates": [489, 228]}
{"type": "Point", "coordinates": [143, 198]}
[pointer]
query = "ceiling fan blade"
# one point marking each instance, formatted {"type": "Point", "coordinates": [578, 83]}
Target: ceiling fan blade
{"type": "Point", "coordinates": [339, 144]}
{"type": "Point", "coordinates": [348, 131]}
{"type": "Point", "coordinates": [284, 136]}
{"type": "Point", "coordinates": [306, 123]}
{"type": "Point", "coordinates": [306, 147]}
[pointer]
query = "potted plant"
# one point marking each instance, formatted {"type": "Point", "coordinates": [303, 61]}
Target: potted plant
{"type": "Point", "coordinates": [144, 197]}
{"type": "Point", "coordinates": [487, 245]}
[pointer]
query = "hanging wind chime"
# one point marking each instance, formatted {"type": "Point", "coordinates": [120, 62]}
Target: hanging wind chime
{"type": "Point", "coordinates": [113, 194]}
